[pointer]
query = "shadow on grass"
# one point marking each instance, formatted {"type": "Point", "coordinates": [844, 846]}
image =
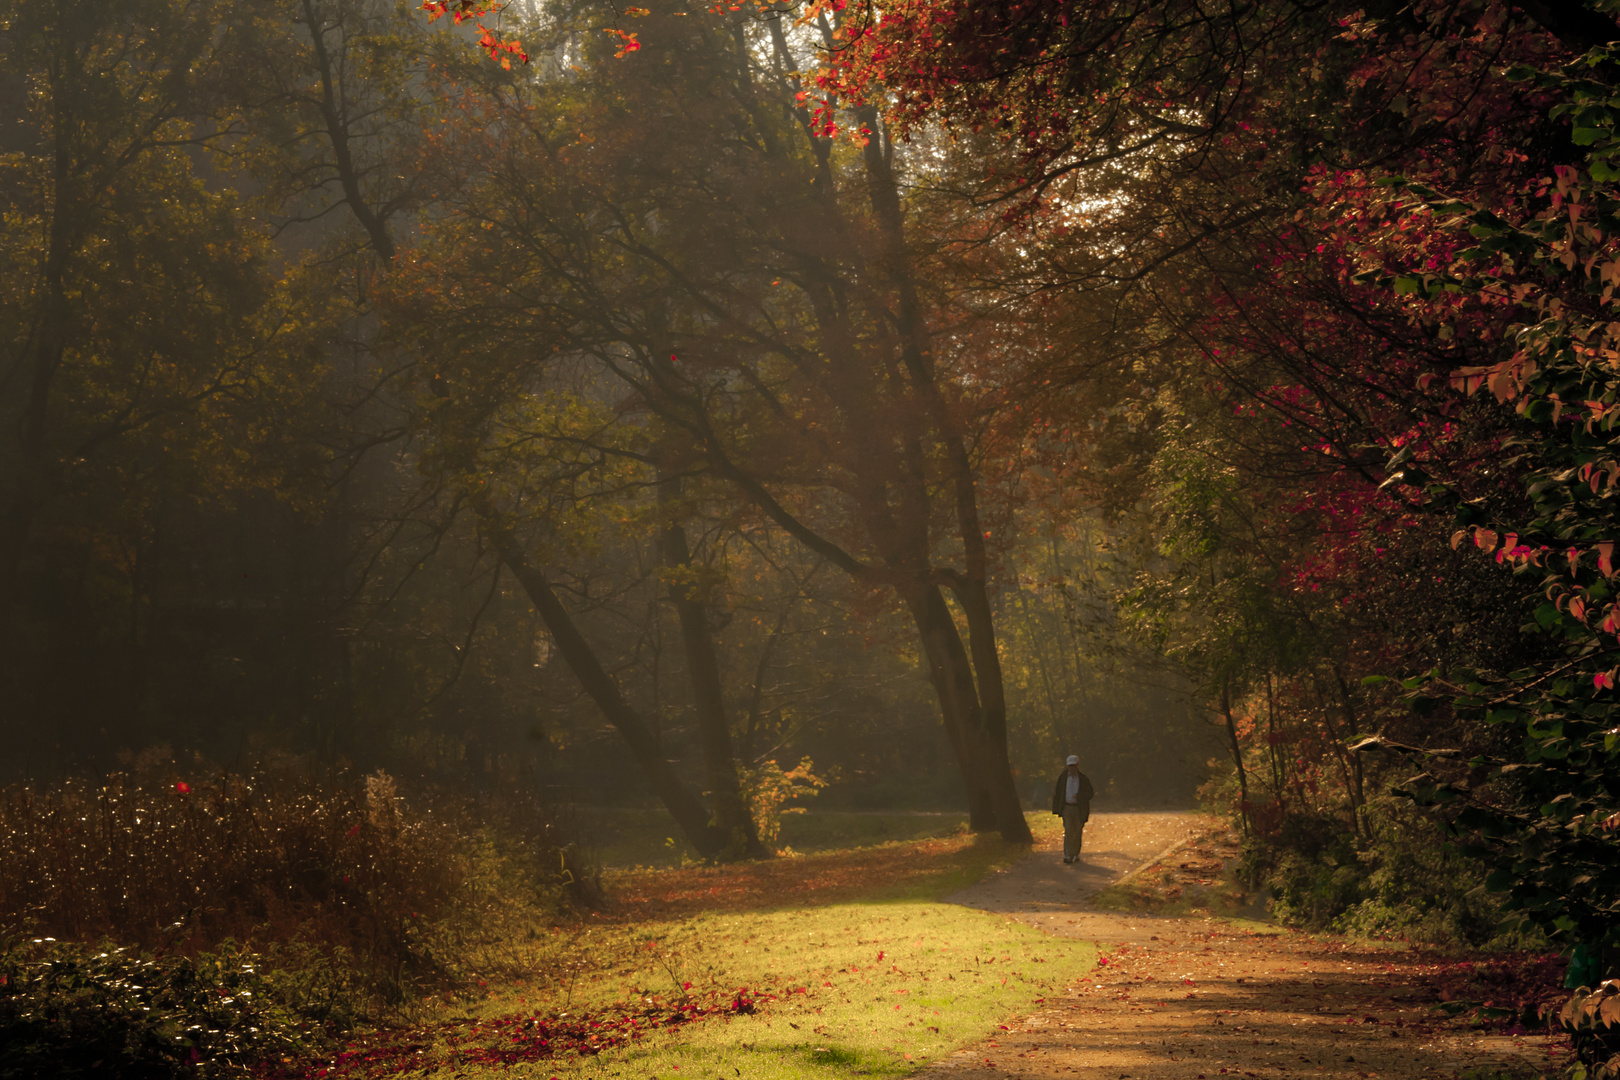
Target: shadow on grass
{"type": "Point", "coordinates": [848, 1062]}
{"type": "Point", "coordinates": [627, 837]}
{"type": "Point", "coordinates": [908, 871]}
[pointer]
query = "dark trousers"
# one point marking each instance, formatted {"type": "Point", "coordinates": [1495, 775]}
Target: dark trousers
{"type": "Point", "coordinates": [1074, 820]}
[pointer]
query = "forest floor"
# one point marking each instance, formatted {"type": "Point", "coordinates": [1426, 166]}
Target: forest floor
{"type": "Point", "coordinates": [895, 961]}
{"type": "Point", "coordinates": [1197, 995]}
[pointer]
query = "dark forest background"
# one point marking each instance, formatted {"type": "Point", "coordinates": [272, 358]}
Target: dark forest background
{"type": "Point", "coordinates": [228, 535]}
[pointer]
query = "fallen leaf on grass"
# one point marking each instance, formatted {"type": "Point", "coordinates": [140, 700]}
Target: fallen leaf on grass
{"type": "Point", "coordinates": [522, 1037]}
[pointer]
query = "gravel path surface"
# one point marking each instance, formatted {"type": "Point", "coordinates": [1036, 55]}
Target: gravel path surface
{"type": "Point", "coordinates": [1189, 998]}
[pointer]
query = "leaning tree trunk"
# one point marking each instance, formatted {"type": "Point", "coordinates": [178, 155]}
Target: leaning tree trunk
{"type": "Point", "coordinates": [731, 813]}
{"type": "Point", "coordinates": [685, 806]}
{"type": "Point", "coordinates": [984, 697]}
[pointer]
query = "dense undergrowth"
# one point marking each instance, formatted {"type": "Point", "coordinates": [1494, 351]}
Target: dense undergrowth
{"type": "Point", "coordinates": [71, 1010]}
{"type": "Point", "coordinates": [152, 925]}
{"type": "Point", "coordinates": [1397, 876]}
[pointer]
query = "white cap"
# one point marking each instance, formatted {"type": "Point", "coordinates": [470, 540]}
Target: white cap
{"type": "Point", "coordinates": [1074, 759]}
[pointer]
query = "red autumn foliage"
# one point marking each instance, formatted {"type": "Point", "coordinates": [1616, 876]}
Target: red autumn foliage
{"type": "Point", "coordinates": [500, 49]}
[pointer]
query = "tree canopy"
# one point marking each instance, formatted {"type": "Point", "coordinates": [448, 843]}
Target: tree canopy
{"type": "Point", "coordinates": [646, 400]}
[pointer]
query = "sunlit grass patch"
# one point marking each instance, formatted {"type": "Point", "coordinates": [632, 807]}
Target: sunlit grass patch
{"type": "Point", "coordinates": [891, 987]}
{"type": "Point", "coordinates": [842, 964]}
{"type": "Point", "coordinates": [857, 988]}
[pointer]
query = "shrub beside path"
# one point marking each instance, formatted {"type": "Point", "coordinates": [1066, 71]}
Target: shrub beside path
{"type": "Point", "coordinates": [1201, 998]}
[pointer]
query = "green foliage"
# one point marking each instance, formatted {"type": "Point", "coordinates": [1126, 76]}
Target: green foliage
{"type": "Point", "coordinates": [1074, 673]}
{"type": "Point", "coordinates": [1592, 1022]}
{"type": "Point", "coordinates": [1407, 881]}
{"type": "Point", "coordinates": [72, 1010]}
{"type": "Point", "coordinates": [1541, 808]}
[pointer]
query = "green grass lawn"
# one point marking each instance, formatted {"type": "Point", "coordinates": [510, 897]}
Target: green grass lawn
{"type": "Point", "coordinates": [888, 988]}
{"type": "Point", "coordinates": [855, 986]}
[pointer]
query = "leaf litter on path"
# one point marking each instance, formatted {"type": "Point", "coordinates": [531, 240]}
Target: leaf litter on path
{"type": "Point", "coordinates": [1194, 996]}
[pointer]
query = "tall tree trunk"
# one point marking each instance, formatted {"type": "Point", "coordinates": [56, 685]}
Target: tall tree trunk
{"type": "Point", "coordinates": [1342, 756]}
{"type": "Point", "coordinates": [988, 720]}
{"type": "Point", "coordinates": [859, 371]}
{"type": "Point", "coordinates": [731, 813]}
{"type": "Point", "coordinates": [981, 747]}
{"type": "Point", "coordinates": [1237, 755]}
{"type": "Point", "coordinates": [1278, 772]}
{"type": "Point", "coordinates": [1354, 781]}
{"type": "Point", "coordinates": [685, 806]}
{"type": "Point", "coordinates": [991, 725]}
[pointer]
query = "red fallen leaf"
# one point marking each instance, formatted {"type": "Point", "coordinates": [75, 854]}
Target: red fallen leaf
{"type": "Point", "coordinates": [353, 831]}
{"type": "Point", "coordinates": [182, 788]}
{"type": "Point", "coordinates": [880, 954]}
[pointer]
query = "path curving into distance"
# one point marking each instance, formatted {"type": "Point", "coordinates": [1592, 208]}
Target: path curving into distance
{"type": "Point", "coordinates": [1194, 998]}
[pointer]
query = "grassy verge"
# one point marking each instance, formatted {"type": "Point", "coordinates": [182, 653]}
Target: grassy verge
{"type": "Point", "coordinates": [1198, 878]}
{"type": "Point", "coordinates": [838, 964]}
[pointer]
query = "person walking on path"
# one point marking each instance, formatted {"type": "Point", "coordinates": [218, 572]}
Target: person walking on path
{"type": "Point", "coordinates": [1071, 801]}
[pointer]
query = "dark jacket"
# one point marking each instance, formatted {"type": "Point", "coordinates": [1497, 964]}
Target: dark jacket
{"type": "Point", "coordinates": [1058, 791]}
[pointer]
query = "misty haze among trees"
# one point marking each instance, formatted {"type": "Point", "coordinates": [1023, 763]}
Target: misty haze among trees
{"type": "Point", "coordinates": [592, 424]}
{"type": "Point", "coordinates": [684, 409]}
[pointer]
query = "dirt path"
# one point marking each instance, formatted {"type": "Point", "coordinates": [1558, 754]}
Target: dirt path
{"type": "Point", "coordinates": [1188, 998]}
